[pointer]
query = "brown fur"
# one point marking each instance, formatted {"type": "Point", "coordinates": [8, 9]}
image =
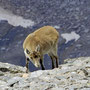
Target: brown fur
{"type": "Point", "coordinates": [42, 41]}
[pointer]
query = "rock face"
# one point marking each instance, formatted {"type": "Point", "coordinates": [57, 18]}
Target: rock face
{"type": "Point", "coordinates": [69, 17]}
{"type": "Point", "coordinates": [73, 75]}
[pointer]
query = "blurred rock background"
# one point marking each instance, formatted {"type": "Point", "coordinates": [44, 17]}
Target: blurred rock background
{"type": "Point", "coordinates": [66, 16]}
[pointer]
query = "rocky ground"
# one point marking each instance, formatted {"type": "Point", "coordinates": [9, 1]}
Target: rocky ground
{"type": "Point", "coordinates": [73, 75]}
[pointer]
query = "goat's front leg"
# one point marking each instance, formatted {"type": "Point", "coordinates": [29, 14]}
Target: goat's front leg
{"type": "Point", "coordinates": [42, 66]}
{"type": "Point", "coordinates": [27, 65]}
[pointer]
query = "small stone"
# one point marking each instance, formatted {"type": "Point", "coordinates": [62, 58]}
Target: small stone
{"type": "Point", "coordinates": [13, 80]}
{"type": "Point", "coordinates": [36, 74]}
{"type": "Point", "coordinates": [2, 83]}
{"type": "Point", "coordinates": [25, 75]}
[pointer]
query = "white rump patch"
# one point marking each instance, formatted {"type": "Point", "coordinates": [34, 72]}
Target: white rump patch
{"type": "Point", "coordinates": [70, 36]}
{"type": "Point", "coordinates": [14, 20]}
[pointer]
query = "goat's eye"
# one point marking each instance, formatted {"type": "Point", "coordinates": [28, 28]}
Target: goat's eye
{"type": "Point", "coordinates": [35, 56]}
{"type": "Point", "coordinates": [27, 51]}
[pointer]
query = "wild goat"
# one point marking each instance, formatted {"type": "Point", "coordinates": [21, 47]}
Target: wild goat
{"type": "Point", "coordinates": [37, 44]}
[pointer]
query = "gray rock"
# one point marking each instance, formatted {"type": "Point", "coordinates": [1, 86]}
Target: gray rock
{"type": "Point", "coordinates": [70, 76]}
{"type": "Point", "coordinates": [5, 67]}
{"type": "Point", "coordinates": [13, 81]}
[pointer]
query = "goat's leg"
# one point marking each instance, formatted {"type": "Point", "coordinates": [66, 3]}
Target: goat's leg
{"type": "Point", "coordinates": [42, 66]}
{"type": "Point", "coordinates": [53, 62]}
{"type": "Point", "coordinates": [56, 58]}
{"type": "Point", "coordinates": [27, 65]}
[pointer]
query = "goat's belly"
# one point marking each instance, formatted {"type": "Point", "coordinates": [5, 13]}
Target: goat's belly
{"type": "Point", "coordinates": [46, 50]}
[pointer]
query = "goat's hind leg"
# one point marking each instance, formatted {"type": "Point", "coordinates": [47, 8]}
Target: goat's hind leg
{"type": "Point", "coordinates": [52, 58]}
{"type": "Point", "coordinates": [53, 62]}
{"type": "Point", "coordinates": [56, 58]}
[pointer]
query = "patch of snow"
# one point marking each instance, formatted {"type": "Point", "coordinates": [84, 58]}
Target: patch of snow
{"type": "Point", "coordinates": [57, 27]}
{"type": "Point", "coordinates": [14, 20]}
{"type": "Point", "coordinates": [78, 45]}
{"type": "Point", "coordinates": [70, 36]}
{"type": "Point", "coordinates": [3, 48]}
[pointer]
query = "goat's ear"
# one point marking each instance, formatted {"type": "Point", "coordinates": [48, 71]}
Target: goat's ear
{"type": "Point", "coordinates": [37, 48]}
